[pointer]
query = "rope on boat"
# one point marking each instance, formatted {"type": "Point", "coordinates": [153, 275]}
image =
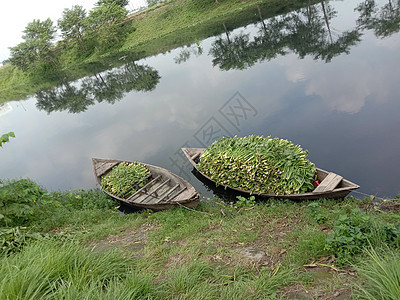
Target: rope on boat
{"type": "Point", "coordinates": [369, 195]}
{"type": "Point", "coordinates": [202, 212]}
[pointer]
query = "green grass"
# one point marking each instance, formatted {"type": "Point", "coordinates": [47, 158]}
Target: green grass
{"type": "Point", "coordinates": [381, 272]}
{"type": "Point", "coordinates": [75, 245]}
{"type": "Point", "coordinates": [50, 270]}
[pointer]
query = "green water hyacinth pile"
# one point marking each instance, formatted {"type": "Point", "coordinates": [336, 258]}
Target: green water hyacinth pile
{"type": "Point", "coordinates": [125, 178]}
{"type": "Point", "coordinates": [260, 165]}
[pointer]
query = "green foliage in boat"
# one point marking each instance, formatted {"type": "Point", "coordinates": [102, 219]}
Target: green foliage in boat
{"type": "Point", "coordinates": [260, 165]}
{"type": "Point", "coordinates": [125, 177]}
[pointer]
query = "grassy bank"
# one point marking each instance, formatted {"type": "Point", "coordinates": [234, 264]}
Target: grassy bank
{"type": "Point", "coordinates": [157, 30]}
{"type": "Point", "coordinates": [76, 245]}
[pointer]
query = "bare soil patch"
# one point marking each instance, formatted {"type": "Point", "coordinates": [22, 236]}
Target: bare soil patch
{"type": "Point", "coordinates": [131, 240]}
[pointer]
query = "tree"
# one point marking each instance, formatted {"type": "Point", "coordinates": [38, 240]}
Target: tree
{"type": "Point", "coordinates": [106, 14]}
{"type": "Point", "coordinates": [151, 3]}
{"type": "Point", "coordinates": [105, 25]}
{"type": "Point", "coordinates": [121, 3]}
{"type": "Point", "coordinates": [23, 55]}
{"type": "Point", "coordinates": [72, 24]}
{"type": "Point", "coordinates": [37, 47]}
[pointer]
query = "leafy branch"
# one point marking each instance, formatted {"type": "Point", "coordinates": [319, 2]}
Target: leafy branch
{"type": "Point", "coordinates": [6, 137]}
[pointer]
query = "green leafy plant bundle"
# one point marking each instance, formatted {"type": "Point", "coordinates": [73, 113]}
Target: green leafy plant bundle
{"type": "Point", "coordinates": [125, 178]}
{"type": "Point", "coordinates": [258, 164]}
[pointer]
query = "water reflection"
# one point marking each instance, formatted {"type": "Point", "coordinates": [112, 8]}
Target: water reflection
{"type": "Point", "coordinates": [306, 31]}
{"type": "Point", "coordinates": [109, 87]}
{"type": "Point", "coordinates": [345, 112]}
{"type": "Point", "coordinates": [187, 52]}
{"type": "Point", "coordinates": [5, 108]}
{"type": "Point", "coordinates": [383, 20]}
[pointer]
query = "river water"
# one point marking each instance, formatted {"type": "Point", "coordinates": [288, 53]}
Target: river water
{"type": "Point", "coordinates": [325, 77]}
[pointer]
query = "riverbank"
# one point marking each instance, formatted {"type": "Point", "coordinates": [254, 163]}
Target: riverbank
{"type": "Point", "coordinates": [154, 31]}
{"type": "Point", "coordinates": [242, 250]}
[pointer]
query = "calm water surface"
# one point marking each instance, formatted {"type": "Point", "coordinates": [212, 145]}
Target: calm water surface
{"type": "Point", "coordinates": [329, 84]}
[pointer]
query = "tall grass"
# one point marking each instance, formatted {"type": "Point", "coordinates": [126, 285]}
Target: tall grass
{"type": "Point", "coordinates": [381, 271]}
{"type": "Point", "coordinates": [202, 281]}
{"type": "Point", "coordinates": [49, 270]}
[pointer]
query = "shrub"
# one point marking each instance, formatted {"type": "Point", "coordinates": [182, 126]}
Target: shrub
{"type": "Point", "coordinates": [355, 231]}
{"type": "Point", "coordinates": [14, 239]}
{"type": "Point", "coordinates": [16, 201]}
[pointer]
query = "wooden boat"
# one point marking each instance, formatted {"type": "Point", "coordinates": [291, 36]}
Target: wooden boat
{"type": "Point", "coordinates": [164, 191]}
{"type": "Point", "coordinates": [331, 185]}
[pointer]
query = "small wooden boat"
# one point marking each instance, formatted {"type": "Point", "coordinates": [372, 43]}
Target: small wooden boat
{"type": "Point", "coordinates": [164, 191]}
{"type": "Point", "coordinates": [331, 185]}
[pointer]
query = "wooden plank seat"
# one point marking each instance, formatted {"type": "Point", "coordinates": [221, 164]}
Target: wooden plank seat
{"type": "Point", "coordinates": [330, 182]}
{"type": "Point", "coordinates": [154, 193]}
{"type": "Point", "coordinates": [144, 188]}
{"type": "Point", "coordinates": [103, 167]}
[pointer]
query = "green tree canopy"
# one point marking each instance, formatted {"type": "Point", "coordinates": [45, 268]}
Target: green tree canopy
{"type": "Point", "coordinates": [121, 3]}
{"type": "Point", "coordinates": [151, 3]}
{"type": "Point", "coordinates": [106, 26]}
{"type": "Point", "coordinates": [37, 47]}
{"type": "Point", "coordinates": [106, 15]}
{"type": "Point", "coordinates": [72, 23]}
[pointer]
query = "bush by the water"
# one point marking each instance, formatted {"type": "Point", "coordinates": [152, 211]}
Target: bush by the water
{"type": "Point", "coordinates": [123, 178]}
{"type": "Point", "coordinates": [258, 164]}
{"type": "Point", "coordinates": [16, 201]}
{"type": "Point", "coordinates": [355, 231]}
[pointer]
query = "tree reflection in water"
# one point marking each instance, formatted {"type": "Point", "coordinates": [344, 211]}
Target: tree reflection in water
{"type": "Point", "coordinates": [384, 20]}
{"type": "Point", "coordinates": [109, 86]}
{"type": "Point", "coordinates": [305, 32]}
